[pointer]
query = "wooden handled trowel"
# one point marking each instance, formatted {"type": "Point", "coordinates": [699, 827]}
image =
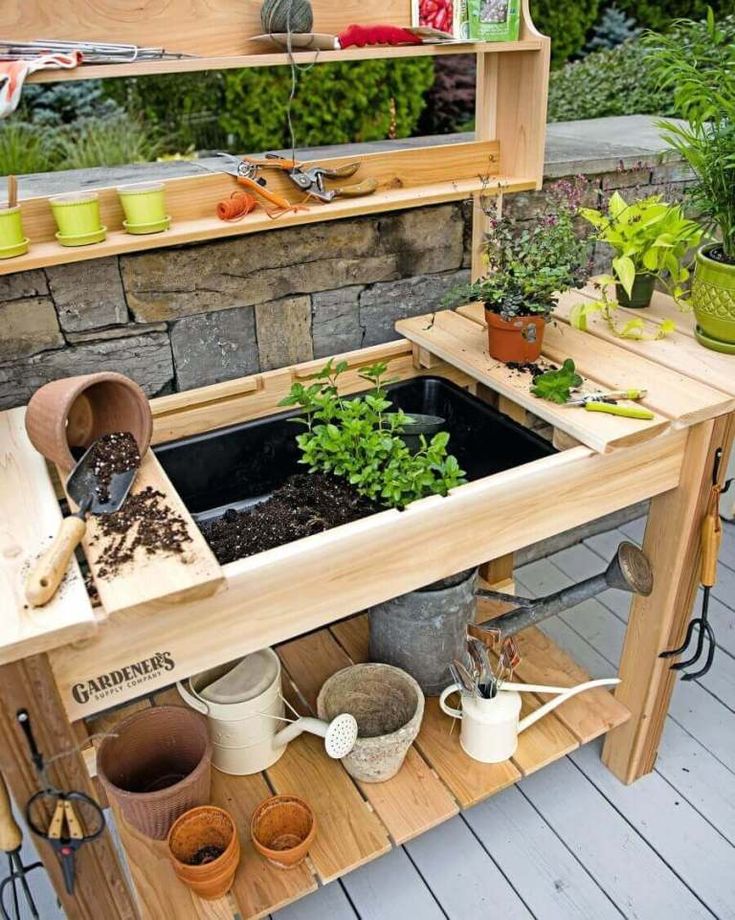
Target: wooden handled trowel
{"type": "Point", "coordinates": [92, 496]}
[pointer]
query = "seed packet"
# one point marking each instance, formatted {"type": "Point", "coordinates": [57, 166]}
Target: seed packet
{"type": "Point", "coordinates": [448, 19]}
{"type": "Point", "coordinates": [494, 20]}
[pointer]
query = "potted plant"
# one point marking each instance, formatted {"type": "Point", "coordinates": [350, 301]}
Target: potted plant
{"type": "Point", "coordinates": [530, 263]}
{"type": "Point", "coordinates": [650, 239]}
{"type": "Point", "coordinates": [704, 95]}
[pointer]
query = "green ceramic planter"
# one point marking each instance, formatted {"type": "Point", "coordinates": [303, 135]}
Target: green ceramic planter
{"type": "Point", "coordinates": [713, 299]}
{"type": "Point", "coordinates": [12, 240]}
{"type": "Point", "coordinates": [78, 218]}
{"type": "Point", "coordinates": [641, 293]}
{"type": "Point", "coordinates": [145, 207]}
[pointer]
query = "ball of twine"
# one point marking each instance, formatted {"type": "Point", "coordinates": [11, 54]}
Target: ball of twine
{"type": "Point", "coordinates": [286, 16]}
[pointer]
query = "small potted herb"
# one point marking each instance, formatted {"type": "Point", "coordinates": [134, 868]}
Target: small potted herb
{"type": "Point", "coordinates": [650, 239]}
{"type": "Point", "coordinates": [530, 263]}
{"type": "Point", "coordinates": [703, 85]}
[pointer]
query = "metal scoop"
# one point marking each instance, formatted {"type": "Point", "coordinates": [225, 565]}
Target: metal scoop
{"type": "Point", "coordinates": [82, 488]}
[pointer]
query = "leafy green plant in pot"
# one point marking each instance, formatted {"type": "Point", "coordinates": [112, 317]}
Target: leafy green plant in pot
{"type": "Point", "coordinates": [650, 239]}
{"type": "Point", "coordinates": [704, 95]}
{"type": "Point", "coordinates": [530, 263]}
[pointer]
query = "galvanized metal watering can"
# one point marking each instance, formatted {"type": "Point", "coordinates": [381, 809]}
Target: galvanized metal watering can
{"type": "Point", "coordinates": [490, 727]}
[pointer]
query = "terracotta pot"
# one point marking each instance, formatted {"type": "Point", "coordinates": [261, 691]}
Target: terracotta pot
{"type": "Point", "coordinates": [74, 411]}
{"type": "Point", "coordinates": [206, 826]}
{"type": "Point", "coordinates": [283, 828]}
{"type": "Point", "coordinates": [157, 766]}
{"type": "Point", "coordinates": [518, 339]}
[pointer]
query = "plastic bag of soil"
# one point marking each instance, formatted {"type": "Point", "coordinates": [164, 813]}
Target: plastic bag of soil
{"type": "Point", "coordinates": [494, 20]}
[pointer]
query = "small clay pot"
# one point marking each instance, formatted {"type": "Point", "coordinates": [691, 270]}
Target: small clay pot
{"type": "Point", "coordinates": [157, 766]}
{"type": "Point", "coordinates": [283, 828]}
{"type": "Point", "coordinates": [518, 339]}
{"type": "Point", "coordinates": [206, 826]}
{"type": "Point", "coordinates": [74, 411]}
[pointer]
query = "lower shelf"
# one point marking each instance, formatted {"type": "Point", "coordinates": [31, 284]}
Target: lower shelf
{"type": "Point", "coordinates": [358, 821]}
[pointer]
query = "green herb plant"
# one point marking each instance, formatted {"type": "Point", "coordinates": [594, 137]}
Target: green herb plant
{"type": "Point", "coordinates": [649, 237]}
{"type": "Point", "coordinates": [634, 328]}
{"type": "Point", "coordinates": [359, 439]}
{"type": "Point", "coordinates": [557, 386]}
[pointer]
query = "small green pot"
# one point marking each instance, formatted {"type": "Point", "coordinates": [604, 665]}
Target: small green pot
{"type": "Point", "coordinates": [12, 240]}
{"type": "Point", "coordinates": [713, 300]}
{"type": "Point", "coordinates": [640, 295]}
{"type": "Point", "coordinates": [78, 218]}
{"type": "Point", "coordinates": [144, 205]}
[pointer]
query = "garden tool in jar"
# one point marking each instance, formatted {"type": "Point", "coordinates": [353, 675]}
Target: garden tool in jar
{"type": "Point", "coordinates": [491, 725]}
{"type": "Point", "coordinates": [710, 540]}
{"type": "Point", "coordinates": [243, 703]}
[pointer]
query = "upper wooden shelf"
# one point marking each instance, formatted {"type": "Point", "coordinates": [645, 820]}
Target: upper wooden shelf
{"type": "Point", "coordinates": [275, 59]}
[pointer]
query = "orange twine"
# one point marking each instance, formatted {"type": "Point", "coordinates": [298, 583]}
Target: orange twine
{"type": "Point", "coordinates": [237, 206]}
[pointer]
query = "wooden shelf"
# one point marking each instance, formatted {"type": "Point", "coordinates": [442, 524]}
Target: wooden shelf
{"type": "Point", "coordinates": [359, 822]}
{"type": "Point", "coordinates": [407, 178]}
{"type": "Point", "coordinates": [276, 59]}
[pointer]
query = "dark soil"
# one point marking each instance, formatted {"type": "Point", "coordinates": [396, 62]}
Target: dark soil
{"type": "Point", "coordinates": [110, 454]}
{"type": "Point", "coordinates": [718, 255]}
{"type": "Point", "coordinates": [305, 504]}
{"type": "Point", "coordinates": [144, 520]}
{"type": "Point", "coordinates": [529, 367]}
{"type": "Point", "coordinates": [206, 854]}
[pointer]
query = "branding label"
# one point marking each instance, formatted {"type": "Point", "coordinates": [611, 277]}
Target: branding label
{"type": "Point", "coordinates": [132, 675]}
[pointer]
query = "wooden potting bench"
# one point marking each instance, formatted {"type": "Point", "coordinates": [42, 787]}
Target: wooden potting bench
{"type": "Point", "coordinates": [79, 669]}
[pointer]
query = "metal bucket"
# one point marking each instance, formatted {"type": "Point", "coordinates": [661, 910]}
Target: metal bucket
{"type": "Point", "coordinates": [421, 632]}
{"type": "Point", "coordinates": [243, 732]}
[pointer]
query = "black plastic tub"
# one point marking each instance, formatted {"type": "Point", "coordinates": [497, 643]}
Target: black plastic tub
{"type": "Point", "coordinates": [239, 466]}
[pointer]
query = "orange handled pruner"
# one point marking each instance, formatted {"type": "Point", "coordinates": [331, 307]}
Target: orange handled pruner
{"type": "Point", "coordinates": [245, 172]}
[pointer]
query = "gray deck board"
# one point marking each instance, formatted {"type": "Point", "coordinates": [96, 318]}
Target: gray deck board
{"type": "Point", "coordinates": [391, 888]}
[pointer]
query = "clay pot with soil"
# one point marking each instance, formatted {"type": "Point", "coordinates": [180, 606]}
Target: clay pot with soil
{"type": "Point", "coordinates": [66, 416]}
{"type": "Point", "coordinates": [388, 706]}
{"type": "Point", "coordinates": [283, 828]}
{"type": "Point", "coordinates": [205, 851]}
{"type": "Point", "coordinates": [156, 767]}
{"type": "Point", "coordinates": [518, 339]}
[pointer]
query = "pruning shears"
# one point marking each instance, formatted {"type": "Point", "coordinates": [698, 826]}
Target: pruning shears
{"type": "Point", "coordinates": [310, 179]}
{"type": "Point", "coordinates": [607, 403]}
{"type": "Point", "coordinates": [247, 174]}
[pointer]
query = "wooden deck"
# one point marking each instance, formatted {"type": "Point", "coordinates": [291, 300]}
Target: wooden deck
{"type": "Point", "coordinates": [570, 841]}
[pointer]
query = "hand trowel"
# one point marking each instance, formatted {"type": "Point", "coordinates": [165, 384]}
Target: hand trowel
{"type": "Point", "coordinates": [91, 497]}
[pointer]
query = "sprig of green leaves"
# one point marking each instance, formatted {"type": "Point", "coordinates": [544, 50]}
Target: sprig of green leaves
{"type": "Point", "coordinates": [556, 386]}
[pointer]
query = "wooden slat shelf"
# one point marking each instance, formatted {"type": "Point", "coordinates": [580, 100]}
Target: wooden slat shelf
{"type": "Point", "coordinates": [276, 59]}
{"type": "Point", "coordinates": [358, 822]}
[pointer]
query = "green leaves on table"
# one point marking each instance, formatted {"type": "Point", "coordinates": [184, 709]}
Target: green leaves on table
{"type": "Point", "coordinates": [556, 386]}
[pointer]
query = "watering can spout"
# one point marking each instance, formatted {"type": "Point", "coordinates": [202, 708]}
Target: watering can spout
{"type": "Point", "coordinates": [562, 695]}
{"type": "Point", "coordinates": [339, 735]}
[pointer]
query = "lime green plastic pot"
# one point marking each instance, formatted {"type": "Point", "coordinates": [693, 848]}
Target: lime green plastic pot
{"type": "Point", "coordinates": [145, 207]}
{"type": "Point", "coordinates": [77, 216]}
{"type": "Point", "coordinates": [713, 299]}
{"type": "Point", "coordinates": [12, 240]}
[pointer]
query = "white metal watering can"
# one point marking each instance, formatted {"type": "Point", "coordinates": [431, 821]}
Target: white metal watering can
{"type": "Point", "coordinates": [490, 727]}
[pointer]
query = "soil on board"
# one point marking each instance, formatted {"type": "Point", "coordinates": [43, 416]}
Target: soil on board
{"type": "Point", "coordinates": [305, 504]}
{"type": "Point", "coordinates": [530, 367]}
{"type": "Point", "coordinates": [145, 520]}
{"type": "Point", "coordinates": [112, 453]}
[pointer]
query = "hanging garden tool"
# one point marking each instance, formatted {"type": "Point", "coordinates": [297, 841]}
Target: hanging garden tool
{"type": "Point", "coordinates": [76, 818]}
{"type": "Point", "coordinates": [11, 842]}
{"type": "Point", "coordinates": [710, 538]}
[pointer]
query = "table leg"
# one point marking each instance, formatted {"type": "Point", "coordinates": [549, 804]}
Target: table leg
{"type": "Point", "coordinates": [100, 890]}
{"type": "Point", "coordinates": [659, 622]}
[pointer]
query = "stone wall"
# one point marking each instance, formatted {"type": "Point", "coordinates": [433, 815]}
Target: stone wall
{"type": "Point", "coordinates": [178, 318]}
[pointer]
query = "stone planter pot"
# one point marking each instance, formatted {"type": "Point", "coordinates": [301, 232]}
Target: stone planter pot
{"type": "Point", "coordinates": [641, 293]}
{"type": "Point", "coordinates": [423, 631]}
{"type": "Point", "coordinates": [713, 300]}
{"type": "Point", "coordinates": [388, 706]}
{"type": "Point", "coordinates": [518, 339]}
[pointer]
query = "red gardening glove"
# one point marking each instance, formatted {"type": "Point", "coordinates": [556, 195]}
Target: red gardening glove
{"type": "Point", "coordinates": [376, 35]}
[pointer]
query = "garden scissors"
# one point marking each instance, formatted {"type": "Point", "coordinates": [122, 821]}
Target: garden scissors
{"type": "Point", "coordinates": [247, 174]}
{"type": "Point", "coordinates": [310, 179]}
{"type": "Point", "coordinates": [75, 819]}
{"type": "Point", "coordinates": [607, 402]}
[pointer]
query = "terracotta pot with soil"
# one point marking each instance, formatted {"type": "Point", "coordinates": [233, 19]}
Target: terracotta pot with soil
{"type": "Point", "coordinates": [283, 828]}
{"type": "Point", "coordinates": [518, 339]}
{"type": "Point", "coordinates": [205, 851]}
{"type": "Point", "coordinates": [157, 767]}
{"type": "Point", "coordinates": [74, 411]}
{"type": "Point", "coordinates": [388, 706]}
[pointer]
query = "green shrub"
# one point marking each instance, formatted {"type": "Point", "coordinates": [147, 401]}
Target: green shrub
{"type": "Point", "coordinates": [655, 15]}
{"type": "Point", "coordinates": [25, 148]}
{"type": "Point", "coordinates": [567, 22]}
{"type": "Point", "coordinates": [104, 142]}
{"type": "Point", "coordinates": [621, 81]}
